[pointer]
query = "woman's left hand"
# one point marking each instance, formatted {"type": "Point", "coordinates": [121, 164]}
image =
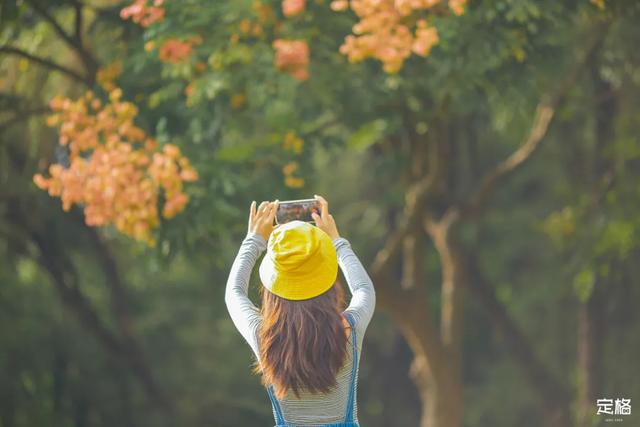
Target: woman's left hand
{"type": "Point", "coordinates": [261, 219]}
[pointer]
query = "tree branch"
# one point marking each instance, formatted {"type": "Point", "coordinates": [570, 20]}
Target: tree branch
{"type": "Point", "coordinates": [122, 312]}
{"type": "Point", "coordinates": [421, 332]}
{"type": "Point", "coordinates": [45, 62]}
{"type": "Point", "coordinates": [78, 22]}
{"type": "Point", "coordinates": [453, 278]}
{"type": "Point", "coordinates": [75, 42]}
{"type": "Point", "coordinates": [545, 111]}
{"type": "Point", "coordinates": [55, 260]}
{"type": "Point", "coordinates": [415, 198]}
{"type": "Point", "coordinates": [543, 115]}
{"type": "Point", "coordinates": [42, 11]}
{"type": "Point", "coordinates": [413, 241]}
{"type": "Point", "coordinates": [23, 115]}
{"type": "Point", "coordinates": [65, 280]}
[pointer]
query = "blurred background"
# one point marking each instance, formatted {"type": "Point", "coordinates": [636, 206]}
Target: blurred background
{"type": "Point", "coordinates": [482, 157]}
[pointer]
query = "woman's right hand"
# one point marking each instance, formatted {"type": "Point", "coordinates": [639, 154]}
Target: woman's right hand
{"type": "Point", "coordinates": [261, 219]}
{"type": "Point", "coordinates": [325, 221]}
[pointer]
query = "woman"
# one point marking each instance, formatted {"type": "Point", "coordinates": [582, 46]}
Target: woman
{"type": "Point", "coordinates": [307, 349]}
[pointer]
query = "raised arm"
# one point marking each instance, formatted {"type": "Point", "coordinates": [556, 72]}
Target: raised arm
{"type": "Point", "coordinates": [363, 294]}
{"type": "Point", "coordinates": [245, 315]}
{"type": "Point", "coordinates": [363, 299]}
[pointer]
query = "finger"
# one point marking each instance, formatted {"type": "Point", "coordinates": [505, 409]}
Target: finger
{"type": "Point", "coordinates": [316, 218]}
{"type": "Point", "coordinates": [262, 208]}
{"type": "Point", "coordinates": [252, 212]}
{"type": "Point", "coordinates": [274, 207]}
{"type": "Point", "coordinates": [324, 205]}
{"type": "Point", "coordinates": [272, 213]}
{"type": "Point", "coordinates": [266, 211]}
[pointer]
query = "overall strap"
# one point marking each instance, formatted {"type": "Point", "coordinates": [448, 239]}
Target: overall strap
{"type": "Point", "coordinates": [352, 386]}
{"type": "Point", "coordinates": [351, 402]}
{"type": "Point", "coordinates": [276, 406]}
{"type": "Point", "coordinates": [274, 400]}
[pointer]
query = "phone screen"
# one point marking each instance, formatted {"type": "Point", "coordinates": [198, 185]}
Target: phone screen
{"type": "Point", "coordinates": [297, 210]}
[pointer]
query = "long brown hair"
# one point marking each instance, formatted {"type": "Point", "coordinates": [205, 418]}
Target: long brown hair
{"type": "Point", "coordinates": [303, 344]}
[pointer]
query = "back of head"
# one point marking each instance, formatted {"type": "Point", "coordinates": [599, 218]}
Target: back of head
{"type": "Point", "coordinates": [303, 343]}
{"type": "Point", "coordinates": [302, 336]}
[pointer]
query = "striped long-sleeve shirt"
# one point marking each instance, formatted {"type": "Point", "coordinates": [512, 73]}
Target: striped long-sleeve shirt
{"type": "Point", "coordinates": [309, 409]}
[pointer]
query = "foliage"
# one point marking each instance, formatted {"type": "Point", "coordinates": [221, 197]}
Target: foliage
{"type": "Point", "coordinates": [114, 169]}
{"type": "Point", "coordinates": [266, 101]}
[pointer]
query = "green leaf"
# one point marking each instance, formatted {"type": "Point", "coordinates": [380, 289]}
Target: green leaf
{"type": "Point", "coordinates": [235, 153]}
{"type": "Point", "coordinates": [583, 284]}
{"type": "Point", "coordinates": [367, 135]}
{"type": "Point", "coordinates": [165, 93]}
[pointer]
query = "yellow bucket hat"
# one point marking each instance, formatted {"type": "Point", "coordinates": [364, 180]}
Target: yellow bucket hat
{"type": "Point", "coordinates": [300, 262]}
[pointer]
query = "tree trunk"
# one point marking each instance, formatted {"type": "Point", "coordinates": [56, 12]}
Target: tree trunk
{"type": "Point", "coordinates": [435, 376]}
{"type": "Point", "coordinates": [437, 366]}
{"type": "Point", "coordinates": [442, 400]}
{"type": "Point", "coordinates": [591, 321]}
{"type": "Point", "coordinates": [589, 356]}
{"type": "Point", "coordinates": [439, 384]}
{"type": "Point", "coordinates": [446, 400]}
{"type": "Point", "coordinates": [54, 259]}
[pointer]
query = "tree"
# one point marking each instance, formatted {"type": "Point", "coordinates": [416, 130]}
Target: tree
{"type": "Point", "coordinates": [249, 91]}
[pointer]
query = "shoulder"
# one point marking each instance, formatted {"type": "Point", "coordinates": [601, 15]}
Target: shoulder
{"type": "Point", "coordinates": [358, 326]}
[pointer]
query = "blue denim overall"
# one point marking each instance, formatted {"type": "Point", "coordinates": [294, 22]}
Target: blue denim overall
{"type": "Point", "coordinates": [348, 419]}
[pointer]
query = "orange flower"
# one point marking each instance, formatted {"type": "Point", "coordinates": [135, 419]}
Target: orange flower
{"type": "Point", "coordinates": [384, 31]}
{"type": "Point", "coordinates": [290, 180]}
{"type": "Point", "coordinates": [175, 50]}
{"type": "Point", "coordinates": [143, 14]}
{"type": "Point", "coordinates": [293, 142]}
{"type": "Point", "coordinates": [293, 7]}
{"type": "Point", "coordinates": [339, 5]}
{"type": "Point", "coordinates": [292, 57]}
{"type": "Point", "coordinates": [293, 182]}
{"type": "Point", "coordinates": [263, 11]}
{"type": "Point", "coordinates": [238, 100]}
{"type": "Point", "coordinates": [289, 168]}
{"type": "Point", "coordinates": [188, 90]}
{"type": "Point", "coordinates": [244, 26]}
{"type": "Point", "coordinates": [106, 75]}
{"type": "Point", "coordinates": [114, 169]}
{"type": "Point", "coordinates": [457, 6]}
{"type": "Point", "coordinates": [425, 39]}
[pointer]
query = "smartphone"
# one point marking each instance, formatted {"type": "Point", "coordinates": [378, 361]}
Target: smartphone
{"type": "Point", "coordinates": [290, 210]}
